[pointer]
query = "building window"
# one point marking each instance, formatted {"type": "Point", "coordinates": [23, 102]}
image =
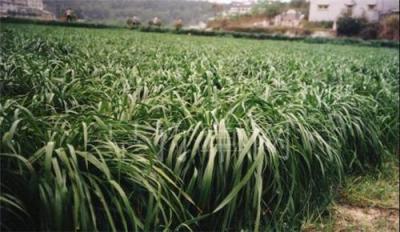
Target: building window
{"type": "Point", "coordinates": [323, 6]}
{"type": "Point", "coordinates": [349, 8]}
{"type": "Point", "coordinates": [371, 6]}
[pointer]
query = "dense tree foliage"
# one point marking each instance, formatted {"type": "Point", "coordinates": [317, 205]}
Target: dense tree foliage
{"type": "Point", "coordinates": [272, 8]}
{"type": "Point", "coordinates": [349, 26]}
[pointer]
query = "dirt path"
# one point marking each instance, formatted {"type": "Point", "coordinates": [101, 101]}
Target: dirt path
{"type": "Point", "coordinates": [353, 218]}
{"type": "Point", "coordinates": [368, 203]}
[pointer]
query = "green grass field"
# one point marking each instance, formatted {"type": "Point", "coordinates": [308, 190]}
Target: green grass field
{"type": "Point", "coordinates": [111, 129]}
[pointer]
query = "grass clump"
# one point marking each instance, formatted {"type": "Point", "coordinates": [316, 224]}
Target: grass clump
{"type": "Point", "coordinates": [120, 130]}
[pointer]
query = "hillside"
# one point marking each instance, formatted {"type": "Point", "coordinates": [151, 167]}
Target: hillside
{"type": "Point", "coordinates": [117, 11]}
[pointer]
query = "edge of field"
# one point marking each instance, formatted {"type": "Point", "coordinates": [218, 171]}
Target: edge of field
{"type": "Point", "coordinates": [368, 202]}
{"type": "Point", "coordinates": [246, 35]}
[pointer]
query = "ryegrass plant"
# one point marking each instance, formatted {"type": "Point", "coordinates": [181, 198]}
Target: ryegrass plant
{"type": "Point", "coordinates": [120, 130]}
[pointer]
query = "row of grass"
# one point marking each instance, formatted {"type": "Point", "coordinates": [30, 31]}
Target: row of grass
{"type": "Point", "coordinates": [116, 130]}
{"type": "Point", "coordinates": [233, 34]}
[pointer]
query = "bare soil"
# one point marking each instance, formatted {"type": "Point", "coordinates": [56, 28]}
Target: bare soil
{"type": "Point", "coordinates": [353, 218]}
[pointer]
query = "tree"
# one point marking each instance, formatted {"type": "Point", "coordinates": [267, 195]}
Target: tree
{"type": "Point", "coordinates": [217, 8]}
{"type": "Point", "coordinates": [269, 8]}
{"type": "Point", "coordinates": [349, 26]}
{"type": "Point", "coordinates": [390, 27]}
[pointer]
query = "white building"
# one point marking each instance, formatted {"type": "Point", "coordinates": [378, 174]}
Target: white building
{"type": "Point", "coordinates": [331, 10]}
{"type": "Point", "coordinates": [239, 8]}
{"type": "Point", "coordinates": [36, 4]}
{"type": "Point", "coordinates": [289, 18]}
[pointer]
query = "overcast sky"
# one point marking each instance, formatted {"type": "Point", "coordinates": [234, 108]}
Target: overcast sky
{"type": "Point", "coordinates": [229, 1]}
{"type": "Point", "coordinates": [226, 1]}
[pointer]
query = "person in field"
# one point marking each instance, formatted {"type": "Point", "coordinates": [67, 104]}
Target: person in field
{"type": "Point", "coordinates": [133, 22]}
{"type": "Point", "coordinates": [155, 22]}
{"type": "Point", "coordinates": [69, 15]}
{"type": "Point", "coordinates": [178, 24]}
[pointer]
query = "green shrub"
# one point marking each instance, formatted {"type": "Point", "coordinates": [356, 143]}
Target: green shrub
{"type": "Point", "coordinates": [55, 23]}
{"type": "Point", "coordinates": [348, 26]}
{"type": "Point", "coordinates": [269, 9]}
{"type": "Point", "coordinates": [318, 25]}
{"type": "Point", "coordinates": [129, 22]}
{"type": "Point", "coordinates": [370, 31]}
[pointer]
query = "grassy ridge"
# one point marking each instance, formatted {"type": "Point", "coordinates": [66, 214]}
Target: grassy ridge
{"type": "Point", "coordinates": [120, 130]}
